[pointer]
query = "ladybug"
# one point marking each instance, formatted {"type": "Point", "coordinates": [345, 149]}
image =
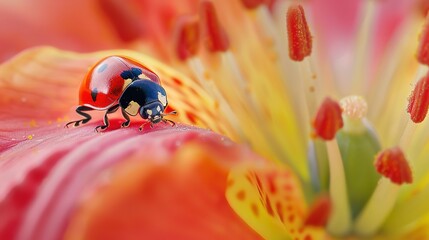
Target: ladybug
{"type": "Point", "coordinates": [120, 82]}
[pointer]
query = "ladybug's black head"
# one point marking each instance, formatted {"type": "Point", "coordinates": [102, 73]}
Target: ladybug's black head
{"type": "Point", "coordinates": [152, 112]}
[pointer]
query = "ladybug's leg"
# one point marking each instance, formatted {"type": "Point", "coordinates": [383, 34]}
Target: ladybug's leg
{"type": "Point", "coordinates": [125, 114]}
{"type": "Point", "coordinates": [80, 110]}
{"type": "Point", "coordinates": [112, 109]}
{"type": "Point", "coordinates": [144, 124]}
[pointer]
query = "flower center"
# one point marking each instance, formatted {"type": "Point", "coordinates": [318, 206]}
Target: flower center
{"type": "Point", "coordinates": [346, 158]}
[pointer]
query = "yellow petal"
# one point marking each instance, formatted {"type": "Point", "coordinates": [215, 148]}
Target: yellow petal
{"type": "Point", "coordinates": [271, 202]}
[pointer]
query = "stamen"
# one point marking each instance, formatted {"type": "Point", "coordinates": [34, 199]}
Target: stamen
{"type": "Point", "coordinates": [326, 124]}
{"type": "Point", "coordinates": [419, 100]}
{"type": "Point", "coordinates": [199, 71]}
{"type": "Point", "coordinates": [300, 40]}
{"type": "Point", "coordinates": [388, 78]}
{"type": "Point", "coordinates": [187, 37]}
{"type": "Point", "coordinates": [328, 120]}
{"type": "Point", "coordinates": [319, 212]}
{"type": "Point", "coordinates": [252, 4]}
{"type": "Point", "coordinates": [340, 220]}
{"type": "Point", "coordinates": [392, 164]}
{"type": "Point", "coordinates": [124, 18]}
{"type": "Point", "coordinates": [215, 36]}
{"type": "Point", "coordinates": [423, 50]}
{"type": "Point", "coordinates": [363, 46]}
{"type": "Point", "coordinates": [377, 209]}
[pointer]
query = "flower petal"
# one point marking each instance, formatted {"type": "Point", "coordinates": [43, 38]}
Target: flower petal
{"type": "Point", "coordinates": [179, 196]}
{"type": "Point", "coordinates": [271, 202]}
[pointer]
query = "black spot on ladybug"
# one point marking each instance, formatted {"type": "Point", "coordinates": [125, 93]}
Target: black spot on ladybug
{"type": "Point", "coordinates": [132, 73]}
{"type": "Point", "coordinates": [94, 93]}
{"type": "Point", "coordinates": [102, 68]}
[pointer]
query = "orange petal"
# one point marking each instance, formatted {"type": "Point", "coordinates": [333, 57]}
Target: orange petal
{"type": "Point", "coordinates": [181, 196]}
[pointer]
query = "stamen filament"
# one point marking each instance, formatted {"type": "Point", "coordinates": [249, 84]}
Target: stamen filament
{"type": "Point", "coordinates": [404, 214]}
{"type": "Point", "coordinates": [198, 69]}
{"type": "Point", "coordinates": [377, 209]}
{"type": "Point", "coordinates": [340, 220]}
{"type": "Point", "coordinates": [396, 55]}
{"type": "Point", "coordinates": [362, 46]}
{"type": "Point", "coordinates": [423, 50]}
{"type": "Point", "coordinates": [379, 206]}
{"type": "Point", "coordinates": [230, 63]}
{"type": "Point", "coordinates": [311, 88]}
{"type": "Point", "coordinates": [300, 46]}
{"type": "Point", "coordinates": [407, 134]}
{"type": "Point", "coordinates": [229, 60]}
{"type": "Point", "coordinates": [275, 32]}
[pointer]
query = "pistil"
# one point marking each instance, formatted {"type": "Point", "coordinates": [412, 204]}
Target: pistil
{"type": "Point", "coordinates": [358, 145]}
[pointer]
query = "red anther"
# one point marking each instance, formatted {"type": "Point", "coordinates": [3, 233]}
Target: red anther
{"type": "Point", "coordinates": [300, 41]}
{"type": "Point", "coordinates": [215, 37]}
{"type": "Point", "coordinates": [423, 49]}
{"type": "Point", "coordinates": [423, 7]}
{"type": "Point", "coordinates": [419, 100]}
{"type": "Point", "coordinates": [319, 212]}
{"type": "Point", "coordinates": [392, 164]}
{"type": "Point", "coordinates": [187, 37]}
{"type": "Point", "coordinates": [125, 20]}
{"type": "Point", "coordinates": [252, 4]}
{"type": "Point", "coordinates": [328, 120]}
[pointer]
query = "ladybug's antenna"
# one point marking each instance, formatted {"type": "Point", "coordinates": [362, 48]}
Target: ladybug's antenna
{"type": "Point", "coordinates": [169, 113]}
{"type": "Point", "coordinates": [168, 120]}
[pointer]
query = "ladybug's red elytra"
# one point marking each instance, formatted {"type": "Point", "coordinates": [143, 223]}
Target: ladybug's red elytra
{"type": "Point", "coordinates": [120, 82]}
